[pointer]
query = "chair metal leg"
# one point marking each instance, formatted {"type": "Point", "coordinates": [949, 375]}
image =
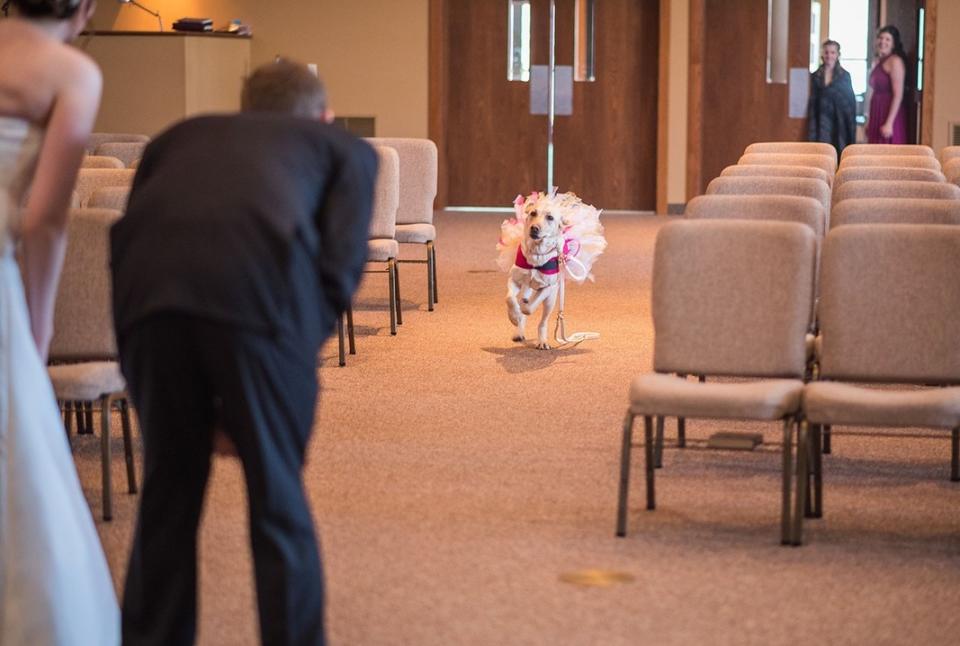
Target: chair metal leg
{"type": "Point", "coordinates": [681, 432]}
{"type": "Point", "coordinates": [827, 447]}
{"type": "Point", "coordinates": [659, 453]}
{"type": "Point", "coordinates": [68, 417]}
{"type": "Point", "coordinates": [341, 343]}
{"type": "Point", "coordinates": [105, 403]}
{"type": "Point", "coordinates": [431, 276]}
{"type": "Point", "coordinates": [955, 455]}
{"type": "Point", "coordinates": [785, 533]}
{"type": "Point", "coordinates": [88, 416]}
{"type": "Point", "coordinates": [433, 256]}
{"type": "Point", "coordinates": [648, 460]}
{"type": "Point", "coordinates": [625, 451]}
{"type": "Point", "coordinates": [396, 290]}
{"type": "Point", "coordinates": [82, 428]}
{"type": "Point", "coordinates": [351, 339]}
{"type": "Point", "coordinates": [128, 446]}
{"type": "Point", "coordinates": [392, 276]}
{"type": "Point", "coordinates": [817, 455]}
{"type": "Point", "coordinates": [802, 475]}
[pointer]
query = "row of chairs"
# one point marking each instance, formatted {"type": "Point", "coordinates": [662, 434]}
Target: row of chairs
{"type": "Point", "coordinates": [708, 322]}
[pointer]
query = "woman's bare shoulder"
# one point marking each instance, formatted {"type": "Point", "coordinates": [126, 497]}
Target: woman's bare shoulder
{"type": "Point", "coordinates": [48, 69]}
{"type": "Point", "coordinates": [894, 62]}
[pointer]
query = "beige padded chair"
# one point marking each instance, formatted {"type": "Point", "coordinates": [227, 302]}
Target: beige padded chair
{"type": "Point", "coordinates": [861, 188]}
{"type": "Point", "coordinates": [714, 313]}
{"type": "Point", "coordinates": [904, 161]}
{"type": "Point", "coordinates": [797, 186]}
{"type": "Point", "coordinates": [418, 188]}
{"type": "Point", "coordinates": [774, 208]}
{"type": "Point", "coordinates": [110, 197]}
{"type": "Point", "coordinates": [889, 173]}
{"type": "Point", "coordinates": [382, 245]}
{"type": "Point", "coordinates": [824, 162]}
{"type": "Point", "coordinates": [893, 210]}
{"type": "Point", "coordinates": [948, 153]}
{"type": "Point", "coordinates": [793, 147]}
{"type": "Point", "coordinates": [888, 315]}
{"type": "Point", "coordinates": [854, 150]}
{"type": "Point", "coordinates": [100, 161]}
{"type": "Point", "coordinates": [951, 170]}
{"type": "Point", "coordinates": [98, 138]}
{"type": "Point", "coordinates": [126, 151]}
{"type": "Point", "coordinates": [83, 350]}
{"type": "Point", "coordinates": [90, 179]}
{"type": "Point", "coordinates": [757, 170]}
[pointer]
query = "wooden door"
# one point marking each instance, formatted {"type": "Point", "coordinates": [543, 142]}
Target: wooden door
{"type": "Point", "coordinates": [492, 148]}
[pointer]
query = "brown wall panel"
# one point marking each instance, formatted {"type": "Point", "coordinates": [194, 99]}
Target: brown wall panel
{"type": "Point", "coordinates": [739, 106]}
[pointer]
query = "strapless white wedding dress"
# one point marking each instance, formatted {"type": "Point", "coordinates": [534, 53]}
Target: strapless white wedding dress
{"type": "Point", "coordinates": [55, 587]}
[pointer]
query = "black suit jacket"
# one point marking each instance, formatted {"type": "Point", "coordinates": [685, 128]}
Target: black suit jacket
{"type": "Point", "coordinates": [254, 220]}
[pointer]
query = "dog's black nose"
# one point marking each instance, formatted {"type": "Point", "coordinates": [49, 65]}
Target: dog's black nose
{"type": "Point", "coordinates": [534, 232]}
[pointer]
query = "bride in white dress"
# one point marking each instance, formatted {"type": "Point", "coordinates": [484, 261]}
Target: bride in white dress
{"type": "Point", "coordinates": [55, 587]}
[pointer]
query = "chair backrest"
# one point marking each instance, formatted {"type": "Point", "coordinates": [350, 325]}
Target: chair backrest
{"type": "Point", "coordinates": [905, 161]}
{"type": "Point", "coordinates": [888, 304]}
{"type": "Point", "coordinates": [732, 297]}
{"type": "Point", "coordinates": [82, 321]}
{"type": "Point", "coordinates": [110, 197]}
{"type": "Point", "coordinates": [799, 186]}
{"type": "Point", "coordinates": [126, 151]}
{"type": "Point", "coordinates": [895, 210]}
{"type": "Point", "coordinates": [90, 179]}
{"type": "Point", "coordinates": [386, 194]}
{"type": "Point", "coordinates": [757, 170]}
{"type": "Point", "coordinates": [774, 208]}
{"type": "Point", "coordinates": [100, 161]}
{"type": "Point", "coordinates": [418, 177]}
{"type": "Point", "coordinates": [98, 138]}
{"type": "Point", "coordinates": [896, 173]}
{"type": "Point", "coordinates": [854, 150]}
{"type": "Point", "coordinates": [802, 147]}
{"type": "Point", "coordinates": [825, 162]}
{"type": "Point", "coordinates": [948, 153]}
{"type": "Point", "coordinates": [860, 188]}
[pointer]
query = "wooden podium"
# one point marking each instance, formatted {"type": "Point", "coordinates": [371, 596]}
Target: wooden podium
{"type": "Point", "coordinates": [154, 79]}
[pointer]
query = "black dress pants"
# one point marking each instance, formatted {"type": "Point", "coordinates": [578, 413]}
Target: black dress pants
{"type": "Point", "coordinates": [185, 374]}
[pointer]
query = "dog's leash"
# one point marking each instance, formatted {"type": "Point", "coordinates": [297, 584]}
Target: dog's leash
{"type": "Point", "coordinates": [559, 333]}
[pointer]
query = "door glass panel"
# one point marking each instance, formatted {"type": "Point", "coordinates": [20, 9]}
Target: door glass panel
{"type": "Point", "coordinates": [518, 40]}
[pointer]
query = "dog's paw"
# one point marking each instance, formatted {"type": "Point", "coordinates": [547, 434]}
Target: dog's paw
{"type": "Point", "coordinates": [543, 345]}
{"type": "Point", "coordinates": [519, 338]}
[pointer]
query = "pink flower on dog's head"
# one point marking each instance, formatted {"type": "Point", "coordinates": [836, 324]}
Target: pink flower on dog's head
{"type": "Point", "coordinates": [518, 201]}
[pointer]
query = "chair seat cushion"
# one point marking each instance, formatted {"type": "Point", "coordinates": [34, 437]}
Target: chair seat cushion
{"type": "Point", "coordinates": [382, 249]}
{"type": "Point", "coordinates": [770, 399]}
{"type": "Point", "coordinates": [827, 402]}
{"type": "Point", "coordinates": [86, 381]}
{"type": "Point", "coordinates": [415, 233]}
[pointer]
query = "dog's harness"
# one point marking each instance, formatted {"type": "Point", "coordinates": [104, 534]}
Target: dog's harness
{"type": "Point", "coordinates": [548, 268]}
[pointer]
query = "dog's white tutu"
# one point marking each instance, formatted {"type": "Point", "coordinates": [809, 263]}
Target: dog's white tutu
{"type": "Point", "coordinates": [582, 232]}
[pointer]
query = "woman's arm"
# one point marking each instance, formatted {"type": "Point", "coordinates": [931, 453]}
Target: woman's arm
{"type": "Point", "coordinates": [897, 73]}
{"type": "Point", "coordinates": [44, 221]}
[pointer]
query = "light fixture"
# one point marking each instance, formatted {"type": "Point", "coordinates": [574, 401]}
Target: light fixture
{"type": "Point", "coordinates": [149, 11]}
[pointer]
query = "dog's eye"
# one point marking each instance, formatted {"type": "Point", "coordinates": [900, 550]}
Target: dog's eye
{"type": "Point", "coordinates": [549, 218]}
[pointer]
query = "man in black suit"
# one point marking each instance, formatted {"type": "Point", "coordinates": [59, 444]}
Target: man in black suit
{"type": "Point", "coordinates": [243, 241]}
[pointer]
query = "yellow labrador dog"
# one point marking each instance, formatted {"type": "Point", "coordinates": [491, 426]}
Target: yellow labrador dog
{"type": "Point", "coordinates": [535, 276]}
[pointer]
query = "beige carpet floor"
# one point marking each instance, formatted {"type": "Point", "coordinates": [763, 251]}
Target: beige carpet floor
{"type": "Point", "coordinates": [454, 477]}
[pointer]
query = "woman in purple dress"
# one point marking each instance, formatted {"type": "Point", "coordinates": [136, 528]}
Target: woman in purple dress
{"type": "Point", "coordinates": [887, 123]}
